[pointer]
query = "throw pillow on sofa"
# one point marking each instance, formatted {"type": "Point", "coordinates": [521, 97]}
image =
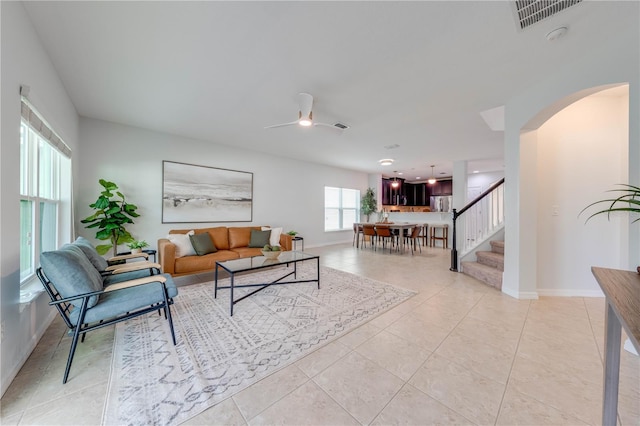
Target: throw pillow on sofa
{"type": "Point", "coordinates": [182, 243]}
{"type": "Point", "coordinates": [259, 239]}
{"type": "Point", "coordinates": [202, 244]}
{"type": "Point", "coordinates": [274, 239]}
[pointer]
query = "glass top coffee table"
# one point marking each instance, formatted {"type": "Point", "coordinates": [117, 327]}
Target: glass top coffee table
{"type": "Point", "coordinates": [252, 264]}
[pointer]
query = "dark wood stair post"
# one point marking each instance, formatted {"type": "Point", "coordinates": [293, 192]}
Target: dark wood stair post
{"type": "Point", "coordinates": [454, 247]}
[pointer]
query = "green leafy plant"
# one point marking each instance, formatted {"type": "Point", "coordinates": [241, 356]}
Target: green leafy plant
{"type": "Point", "coordinates": [368, 204]}
{"type": "Point", "coordinates": [627, 201]}
{"type": "Point", "coordinates": [137, 244]}
{"type": "Point", "coordinates": [112, 214]}
{"type": "Point", "coordinates": [292, 233]}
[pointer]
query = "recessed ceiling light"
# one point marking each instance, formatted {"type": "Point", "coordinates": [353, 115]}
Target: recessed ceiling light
{"type": "Point", "coordinates": [476, 171]}
{"type": "Point", "coordinates": [399, 173]}
{"type": "Point", "coordinates": [385, 162]}
{"type": "Point", "coordinates": [417, 177]}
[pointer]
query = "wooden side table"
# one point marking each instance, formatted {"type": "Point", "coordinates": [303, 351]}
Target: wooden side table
{"type": "Point", "coordinates": [150, 252]}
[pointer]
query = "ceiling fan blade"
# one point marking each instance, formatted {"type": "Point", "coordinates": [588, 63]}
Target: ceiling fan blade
{"type": "Point", "coordinates": [329, 126]}
{"type": "Point", "coordinates": [293, 123]}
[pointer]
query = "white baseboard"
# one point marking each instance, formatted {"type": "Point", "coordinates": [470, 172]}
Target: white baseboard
{"type": "Point", "coordinates": [35, 338]}
{"type": "Point", "coordinates": [569, 293]}
{"type": "Point", "coordinates": [524, 295]}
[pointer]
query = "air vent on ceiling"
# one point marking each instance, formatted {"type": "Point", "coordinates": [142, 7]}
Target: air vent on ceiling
{"type": "Point", "coordinates": [532, 11]}
{"type": "Point", "coordinates": [341, 126]}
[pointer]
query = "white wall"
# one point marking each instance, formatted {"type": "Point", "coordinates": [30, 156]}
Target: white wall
{"type": "Point", "coordinates": [483, 180]}
{"type": "Point", "coordinates": [567, 83]}
{"type": "Point", "coordinates": [582, 152]}
{"type": "Point", "coordinates": [23, 62]}
{"type": "Point", "coordinates": [286, 192]}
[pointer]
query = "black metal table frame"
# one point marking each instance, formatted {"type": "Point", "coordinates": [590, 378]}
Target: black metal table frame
{"type": "Point", "coordinates": [262, 286]}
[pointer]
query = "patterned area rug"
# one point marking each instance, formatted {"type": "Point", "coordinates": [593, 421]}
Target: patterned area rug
{"type": "Point", "coordinates": [154, 382]}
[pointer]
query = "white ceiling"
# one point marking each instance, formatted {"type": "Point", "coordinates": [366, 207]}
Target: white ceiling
{"type": "Point", "coordinates": [416, 74]}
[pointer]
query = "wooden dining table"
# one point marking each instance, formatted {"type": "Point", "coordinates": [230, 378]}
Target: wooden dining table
{"type": "Point", "coordinates": [399, 226]}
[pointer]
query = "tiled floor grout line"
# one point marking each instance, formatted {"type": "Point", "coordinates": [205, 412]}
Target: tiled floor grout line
{"type": "Point", "coordinates": [593, 332]}
{"type": "Point", "coordinates": [513, 362]}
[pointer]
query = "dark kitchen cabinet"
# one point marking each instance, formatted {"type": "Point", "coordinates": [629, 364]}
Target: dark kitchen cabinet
{"type": "Point", "coordinates": [393, 196]}
{"type": "Point", "coordinates": [441, 187]}
{"type": "Point", "coordinates": [416, 194]}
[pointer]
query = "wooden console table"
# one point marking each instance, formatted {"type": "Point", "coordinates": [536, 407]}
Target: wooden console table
{"type": "Point", "coordinates": [622, 291]}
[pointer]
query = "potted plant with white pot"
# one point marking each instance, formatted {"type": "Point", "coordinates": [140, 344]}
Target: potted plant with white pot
{"type": "Point", "coordinates": [136, 246]}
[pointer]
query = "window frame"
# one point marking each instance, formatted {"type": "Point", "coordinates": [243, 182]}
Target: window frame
{"type": "Point", "coordinates": [341, 208]}
{"type": "Point", "coordinates": [41, 188]}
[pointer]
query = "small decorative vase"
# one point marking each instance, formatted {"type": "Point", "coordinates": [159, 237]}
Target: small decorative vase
{"type": "Point", "coordinates": [136, 250]}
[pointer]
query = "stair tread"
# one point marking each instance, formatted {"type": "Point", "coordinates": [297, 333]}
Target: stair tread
{"type": "Point", "coordinates": [480, 266]}
{"type": "Point", "coordinates": [491, 258]}
{"type": "Point", "coordinates": [497, 246]}
{"type": "Point", "coordinates": [491, 254]}
{"type": "Point", "coordinates": [487, 274]}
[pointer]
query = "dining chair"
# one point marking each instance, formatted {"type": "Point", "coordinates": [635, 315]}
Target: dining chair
{"type": "Point", "coordinates": [412, 239]}
{"type": "Point", "coordinates": [369, 230]}
{"type": "Point", "coordinates": [357, 231]}
{"type": "Point", "coordinates": [383, 232]}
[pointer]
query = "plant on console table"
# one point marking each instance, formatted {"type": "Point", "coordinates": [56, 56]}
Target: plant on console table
{"type": "Point", "coordinates": [628, 200]}
{"type": "Point", "coordinates": [136, 246]}
{"type": "Point", "coordinates": [368, 204]}
{"type": "Point", "coordinates": [112, 214]}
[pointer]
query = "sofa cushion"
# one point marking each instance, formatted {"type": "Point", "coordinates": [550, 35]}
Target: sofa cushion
{"type": "Point", "coordinates": [194, 264]}
{"type": "Point", "coordinates": [90, 251]}
{"type": "Point", "coordinates": [71, 273]}
{"type": "Point", "coordinates": [259, 239]}
{"type": "Point", "coordinates": [182, 243]}
{"type": "Point", "coordinates": [219, 236]}
{"type": "Point", "coordinates": [202, 243]}
{"type": "Point", "coordinates": [247, 251]}
{"type": "Point", "coordinates": [117, 303]}
{"type": "Point", "coordinates": [239, 236]}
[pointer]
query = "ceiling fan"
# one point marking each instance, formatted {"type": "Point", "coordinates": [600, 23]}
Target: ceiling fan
{"type": "Point", "coordinates": [305, 116]}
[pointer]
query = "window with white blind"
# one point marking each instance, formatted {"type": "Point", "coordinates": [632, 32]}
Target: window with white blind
{"type": "Point", "coordinates": [45, 190]}
{"type": "Point", "coordinates": [341, 208]}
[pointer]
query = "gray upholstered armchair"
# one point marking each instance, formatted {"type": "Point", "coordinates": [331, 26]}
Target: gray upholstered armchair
{"type": "Point", "coordinates": [88, 299]}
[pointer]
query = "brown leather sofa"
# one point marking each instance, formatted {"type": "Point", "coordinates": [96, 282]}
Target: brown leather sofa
{"type": "Point", "coordinates": [231, 243]}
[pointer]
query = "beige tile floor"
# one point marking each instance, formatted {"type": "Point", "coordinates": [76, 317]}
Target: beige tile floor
{"type": "Point", "coordinates": [457, 353]}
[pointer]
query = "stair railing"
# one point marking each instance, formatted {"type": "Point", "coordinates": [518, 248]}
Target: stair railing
{"type": "Point", "coordinates": [485, 215]}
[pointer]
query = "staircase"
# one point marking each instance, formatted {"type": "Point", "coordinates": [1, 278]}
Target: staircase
{"type": "Point", "coordinates": [489, 266]}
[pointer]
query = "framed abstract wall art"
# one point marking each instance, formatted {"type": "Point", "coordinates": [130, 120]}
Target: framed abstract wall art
{"type": "Point", "coordinates": [192, 193]}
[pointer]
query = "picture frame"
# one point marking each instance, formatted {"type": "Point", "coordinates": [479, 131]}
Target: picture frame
{"type": "Point", "coordinates": [195, 194]}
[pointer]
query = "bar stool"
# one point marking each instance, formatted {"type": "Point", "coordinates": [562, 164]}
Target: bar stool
{"type": "Point", "coordinates": [424, 234]}
{"type": "Point", "coordinates": [444, 236]}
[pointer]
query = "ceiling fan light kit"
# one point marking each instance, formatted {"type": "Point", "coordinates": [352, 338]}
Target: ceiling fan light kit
{"type": "Point", "coordinates": [305, 115]}
{"type": "Point", "coordinates": [306, 120]}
